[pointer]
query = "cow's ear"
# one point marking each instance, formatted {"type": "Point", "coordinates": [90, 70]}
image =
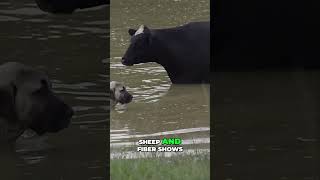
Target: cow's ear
{"type": "Point", "coordinates": [132, 32]}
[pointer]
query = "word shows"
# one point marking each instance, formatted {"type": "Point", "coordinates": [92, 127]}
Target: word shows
{"type": "Point", "coordinates": [157, 145]}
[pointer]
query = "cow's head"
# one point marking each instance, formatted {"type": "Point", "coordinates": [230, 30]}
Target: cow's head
{"type": "Point", "coordinates": [139, 50]}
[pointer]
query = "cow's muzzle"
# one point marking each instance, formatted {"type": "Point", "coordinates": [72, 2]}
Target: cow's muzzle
{"type": "Point", "coordinates": [125, 62]}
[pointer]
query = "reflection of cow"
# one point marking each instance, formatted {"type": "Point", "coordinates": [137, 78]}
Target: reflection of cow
{"type": "Point", "coordinates": [183, 51]}
{"type": "Point", "coordinates": [27, 101]}
{"type": "Point", "coordinates": [68, 6]}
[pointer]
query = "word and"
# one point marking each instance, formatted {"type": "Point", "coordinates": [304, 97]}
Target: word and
{"type": "Point", "coordinates": [163, 145]}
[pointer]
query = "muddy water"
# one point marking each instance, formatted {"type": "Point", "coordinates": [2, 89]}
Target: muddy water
{"type": "Point", "coordinates": [72, 49]}
{"type": "Point", "coordinates": [159, 109]}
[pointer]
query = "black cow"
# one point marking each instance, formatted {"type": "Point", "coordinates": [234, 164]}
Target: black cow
{"type": "Point", "coordinates": [68, 6]}
{"type": "Point", "coordinates": [183, 51]}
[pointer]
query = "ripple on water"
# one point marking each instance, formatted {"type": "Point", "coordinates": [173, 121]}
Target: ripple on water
{"type": "Point", "coordinates": [127, 139]}
{"type": "Point", "coordinates": [27, 28]}
{"type": "Point", "coordinates": [26, 11]}
{"type": "Point", "coordinates": [8, 18]}
{"type": "Point", "coordinates": [34, 20]}
{"type": "Point", "coordinates": [174, 132]}
{"type": "Point", "coordinates": [149, 84]}
{"type": "Point", "coordinates": [92, 30]}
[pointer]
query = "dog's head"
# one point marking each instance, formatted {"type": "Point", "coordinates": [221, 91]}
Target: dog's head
{"type": "Point", "coordinates": [30, 101]}
{"type": "Point", "coordinates": [119, 93]}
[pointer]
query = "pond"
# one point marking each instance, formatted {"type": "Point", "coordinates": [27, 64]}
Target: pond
{"type": "Point", "coordinates": [73, 51]}
{"type": "Point", "coordinates": [159, 109]}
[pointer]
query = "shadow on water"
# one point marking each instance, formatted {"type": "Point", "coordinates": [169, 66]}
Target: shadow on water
{"type": "Point", "coordinates": [72, 50]}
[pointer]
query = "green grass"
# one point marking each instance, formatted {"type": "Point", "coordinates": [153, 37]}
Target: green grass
{"type": "Point", "coordinates": [184, 167]}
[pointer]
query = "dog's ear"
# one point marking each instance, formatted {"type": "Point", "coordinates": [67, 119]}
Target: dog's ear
{"type": "Point", "coordinates": [7, 102]}
{"type": "Point", "coordinates": [112, 93]}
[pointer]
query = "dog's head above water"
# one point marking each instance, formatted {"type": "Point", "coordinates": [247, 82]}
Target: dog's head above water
{"type": "Point", "coordinates": [119, 93]}
{"type": "Point", "coordinates": [28, 101]}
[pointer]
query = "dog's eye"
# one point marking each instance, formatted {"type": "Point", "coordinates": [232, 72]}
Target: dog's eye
{"type": "Point", "coordinates": [44, 82]}
{"type": "Point", "coordinates": [43, 88]}
{"type": "Point", "coordinates": [123, 89]}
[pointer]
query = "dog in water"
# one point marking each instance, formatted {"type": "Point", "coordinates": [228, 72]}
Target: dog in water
{"type": "Point", "coordinates": [119, 94]}
{"type": "Point", "coordinates": [27, 101]}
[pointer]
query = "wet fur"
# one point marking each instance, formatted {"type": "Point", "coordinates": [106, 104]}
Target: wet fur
{"type": "Point", "coordinates": [28, 102]}
{"type": "Point", "coordinates": [119, 94]}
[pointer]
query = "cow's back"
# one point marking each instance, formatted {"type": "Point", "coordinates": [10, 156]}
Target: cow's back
{"type": "Point", "coordinates": [197, 31]}
{"type": "Point", "coordinates": [187, 41]}
{"type": "Point", "coordinates": [200, 33]}
{"type": "Point", "coordinates": [187, 50]}
{"type": "Point", "coordinates": [199, 27]}
{"type": "Point", "coordinates": [196, 42]}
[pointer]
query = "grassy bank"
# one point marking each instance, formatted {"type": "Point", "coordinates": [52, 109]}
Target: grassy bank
{"type": "Point", "coordinates": [184, 167]}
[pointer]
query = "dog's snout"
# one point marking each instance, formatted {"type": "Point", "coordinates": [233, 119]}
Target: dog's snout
{"type": "Point", "coordinates": [69, 112]}
{"type": "Point", "coordinates": [119, 93]}
{"type": "Point", "coordinates": [130, 97]}
{"type": "Point", "coordinates": [67, 116]}
{"type": "Point", "coordinates": [65, 110]}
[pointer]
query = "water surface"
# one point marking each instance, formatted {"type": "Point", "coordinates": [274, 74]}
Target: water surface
{"type": "Point", "coordinates": [72, 50]}
{"type": "Point", "coordinates": [159, 109]}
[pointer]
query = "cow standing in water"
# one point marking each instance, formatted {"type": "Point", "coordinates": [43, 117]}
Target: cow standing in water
{"type": "Point", "coordinates": [183, 51]}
